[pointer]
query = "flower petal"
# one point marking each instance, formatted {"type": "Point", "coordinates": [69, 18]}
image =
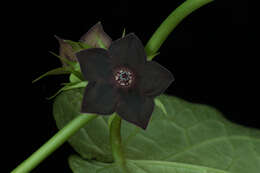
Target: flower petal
{"type": "Point", "coordinates": [66, 50]}
{"type": "Point", "coordinates": [94, 64]}
{"type": "Point", "coordinates": [154, 79]}
{"type": "Point", "coordinates": [99, 98]}
{"type": "Point", "coordinates": [135, 109]}
{"type": "Point", "coordinates": [128, 50]}
{"type": "Point", "coordinates": [95, 34]}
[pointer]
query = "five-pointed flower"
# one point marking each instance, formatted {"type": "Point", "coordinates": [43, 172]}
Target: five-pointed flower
{"type": "Point", "coordinates": [122, 81]}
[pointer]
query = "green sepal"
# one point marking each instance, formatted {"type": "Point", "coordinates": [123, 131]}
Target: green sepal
{"type": "Point", "coordinates": [65, 60]}
{"type": "Point", "coordinates": [69, 86]}
{"type": "Point", "coordinates": [101, 44]}
{"type": "Point", "coordinates": [77, 74]}
{"type": "Point", "coordinates": [150, 57]}
{"type": "Point", "coordinates": [77, 46]}
{"type": "Point", "coordinates": [123, 34]}
{"type": "Point", "coordinates": [75, 68]}
{"type": "Point", "coordinates": [73, 78]}
{"type": "Point", "coordinates": [56, 71]}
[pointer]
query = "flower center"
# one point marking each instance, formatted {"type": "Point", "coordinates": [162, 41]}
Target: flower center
{"type": "Point", "coordinates": [123, 76]}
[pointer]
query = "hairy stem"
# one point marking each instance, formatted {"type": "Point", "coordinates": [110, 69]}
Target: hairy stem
{"type": "Point", "coordinates": [168, 25]}
{"type": "Point", "coordinates": [116, 144]}
{"type": "Point", "coordinates": [55, 142]}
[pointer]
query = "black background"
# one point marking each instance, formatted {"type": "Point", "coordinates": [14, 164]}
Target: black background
{"type": "Point", "coordinates": [209, 53]}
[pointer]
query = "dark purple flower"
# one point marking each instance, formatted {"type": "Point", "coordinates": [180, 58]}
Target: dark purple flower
{"type": "Point", "coordinates": [122, 81]}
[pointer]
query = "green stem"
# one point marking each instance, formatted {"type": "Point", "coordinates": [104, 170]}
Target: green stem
{"type": "Point", "coordinates": [170, 23]}
{"type": "Point", "coordinates": [55, 142]}
{"type": "Point", "coordinates": [115, 141]}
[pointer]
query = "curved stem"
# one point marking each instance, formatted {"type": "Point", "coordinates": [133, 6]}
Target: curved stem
{"type": "Point", "coordinates": [55, 142]}
{"type": "Point", "coordinates": [170, 23]}
{"type": "Point", "coordinates": [115, 141]}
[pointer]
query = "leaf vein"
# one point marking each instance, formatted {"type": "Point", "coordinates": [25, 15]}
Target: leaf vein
{"type": "Point", "coordinates": [212, 140]}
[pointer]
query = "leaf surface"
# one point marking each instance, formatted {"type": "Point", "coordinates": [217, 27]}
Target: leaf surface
{"type": "Point", "coordinates": [79, 165]}
{"type": "Point", "coordinates": [181, 137]}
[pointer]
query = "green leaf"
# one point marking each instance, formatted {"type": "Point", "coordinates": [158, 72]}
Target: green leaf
{"type": "Point", "coordinates": [181, 138]}
{"type": "Point", "coordinates": [56, 71]}
{"type": "Point", "coordinates": [92, 141]}
{"type": "Point", "coordinates": [78, 165]}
